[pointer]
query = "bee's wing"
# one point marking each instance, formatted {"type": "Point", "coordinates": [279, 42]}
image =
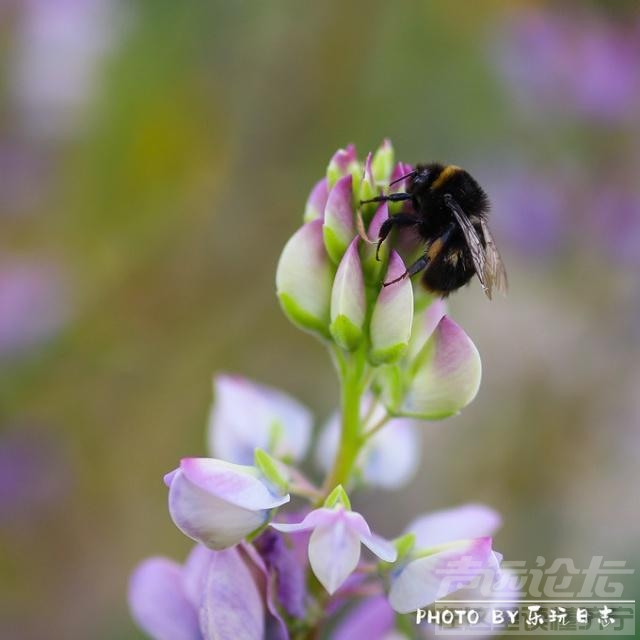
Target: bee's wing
{"type": "Point", "coordinates": [474, 243]}
{"type": "Point", "coordinates": [495, 273]}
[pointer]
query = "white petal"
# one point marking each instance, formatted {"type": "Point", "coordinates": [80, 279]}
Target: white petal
{"type": "Point", "coordinates": [334, 552]}
{"type": "Point", "coordinates": [381, 547]}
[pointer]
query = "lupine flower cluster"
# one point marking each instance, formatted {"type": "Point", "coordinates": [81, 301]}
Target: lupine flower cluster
{"type": "Point", "coordinates": [278, 554]}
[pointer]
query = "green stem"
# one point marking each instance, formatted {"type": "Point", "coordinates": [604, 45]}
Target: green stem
{"type": "Point", "coordinates": [353, 383]}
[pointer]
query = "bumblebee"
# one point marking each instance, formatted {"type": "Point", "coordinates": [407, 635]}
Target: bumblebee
{"type": "Point", "coordinates": [449, 211]}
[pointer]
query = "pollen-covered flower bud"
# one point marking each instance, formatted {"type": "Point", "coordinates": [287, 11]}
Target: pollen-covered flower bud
{"type": "Point", "coordinates": [348, 303]}
{"type": "Point", "coordinates": [317, 201]}
{"type": "Point", "coordinates": [344, 162]}
{"type": "Point", "coordinates": [218, 503]}
{"type": "Point", "coordinates": [382, 163]}
{"type": "Point", "coordinates": [304, 278]}
{"type": "Point", "coordinates": [443, 378]}
{"type": "Point", "coordinates": [392, 316]}
{"type": "Point", "coordinates": [339, 220]}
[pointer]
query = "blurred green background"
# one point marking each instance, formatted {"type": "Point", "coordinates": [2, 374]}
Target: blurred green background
{"type": "Point", "coordinates": [154, 158]}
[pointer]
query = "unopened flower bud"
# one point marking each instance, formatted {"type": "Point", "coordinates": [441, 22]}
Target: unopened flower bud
{"type": "Point", "coordinates": [392, 316]}
{"type": "Point", "coordinates": [339, 223]}
{"type": "Point", "coordinates": [218, 503]}
{"type": "Point", "coordinates": [344, 162]}
{"type": "Point", "coordinates": [444, 377]}
{"type": "Point", "coordinates": [348, 303]}
{"type": "Point", "coordinates": [304, 278]}
{"type": "Point", "coordinates": [317, 201]}
{"type": "Point", "coordinates": [382, 163]}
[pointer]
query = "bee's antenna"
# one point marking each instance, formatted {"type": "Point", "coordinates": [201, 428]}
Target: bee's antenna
{"type": "Point", "coordinates": [408, 175]}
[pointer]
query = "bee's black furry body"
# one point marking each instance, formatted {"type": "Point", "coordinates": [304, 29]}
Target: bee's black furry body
{"type": "Point", "coordinates": [451, 263]}
{"type": "Point", "coordinates": [449, 211]}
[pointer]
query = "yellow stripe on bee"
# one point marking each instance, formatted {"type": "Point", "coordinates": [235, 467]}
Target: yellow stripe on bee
{"type": "Point", "coordinates": [434, 250]}
{"type": "Point", "coordinates": [445, 174]}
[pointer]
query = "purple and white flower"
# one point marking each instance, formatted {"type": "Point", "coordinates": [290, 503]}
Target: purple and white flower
{"type": "Point", "coordinates": [219, 503]}
{"type": "Point", "coordinates": [334, 546]}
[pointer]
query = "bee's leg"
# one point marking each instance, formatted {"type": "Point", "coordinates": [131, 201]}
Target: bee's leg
{"type": "Point", "coordinates": [400, 220]}
{"type": "Point", "coordinates": [437, 247]}
{"type": "Point", "coordinates": [421, 263]}
{"type": "Point", "coordinates": [392, 197]}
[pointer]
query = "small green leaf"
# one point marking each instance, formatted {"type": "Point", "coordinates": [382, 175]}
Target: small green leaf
{"type": "Point", "coordinates": [338, 497]}
{"type": "Point", "coordinates": [271, 469]}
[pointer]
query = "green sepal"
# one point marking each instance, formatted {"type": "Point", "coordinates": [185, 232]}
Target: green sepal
{"type": "Point", "coordinates": [346, 334]}
{"type": "Point", "coordinates": [302, 318]}
{"type": "Point", "coordinates": [382, 163]}
{"type": "Point", "coordinates": [388, 355]}
{"type": "Point", "coordinates": [271, 469]}
{"type": "Point", "coordinates": [338, 497]}
{"type": "Point", "coordinates": [334, 245]}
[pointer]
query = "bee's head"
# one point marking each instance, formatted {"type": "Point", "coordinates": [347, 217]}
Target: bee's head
{"type": "Point", "coordinates": [424, 175]}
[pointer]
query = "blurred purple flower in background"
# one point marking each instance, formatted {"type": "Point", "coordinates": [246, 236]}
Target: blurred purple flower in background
{"type": "Point", "coordinates": [34, 305]}
{"type": "Point", "coordinates": [616, 223]}
{"type": "Point", "coordinates": [34, 475]}
{"type": "Point", "coordinates": [530, 209]}
{"type": "Point", "coordinates": [23, 176]}
{"type": "Point", "coordinates": [58, 47]}
{"type": "Point", "coordinates": [579, 65]}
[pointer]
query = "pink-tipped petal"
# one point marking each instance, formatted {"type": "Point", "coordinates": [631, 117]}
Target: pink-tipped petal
{"type": "Point", "coordinates": [303, 279]}
{"type": "Point", "coordinates": [368, 187]}
{"type": "Point", "coordinates": [334, 552]}
{"type": "Point", "coordinates": [425, 323]}
{"type": "Point", "coordinates": [348, 303]}
{"type": "Point", "coordinates": [317, 201]}
{"type": "Point", "coordinates": [239, 485]}
{"type": "Point", "coordinates": [343, 162]}
{"type": "Point", "coordinates": [392, 316]}
{"type": "Point", "coordinates": [377, 221]}
{"type": "Point", "coordinates": [339, 222]}
{"type": "Point", "coordinates": [447, 374]}
{"type": "Point", "coordinates": [460, 523]}
{"type": "Point", "coordinates": [401, 169]}
{"type": "Point", "coordinates": [247, 415]}
{"type": "Point", "coordinates": [159, 604]}
{"type": "Point", "coordinates": [232, 605]}
{"type": "Point", "coordinates": [424, 580]}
